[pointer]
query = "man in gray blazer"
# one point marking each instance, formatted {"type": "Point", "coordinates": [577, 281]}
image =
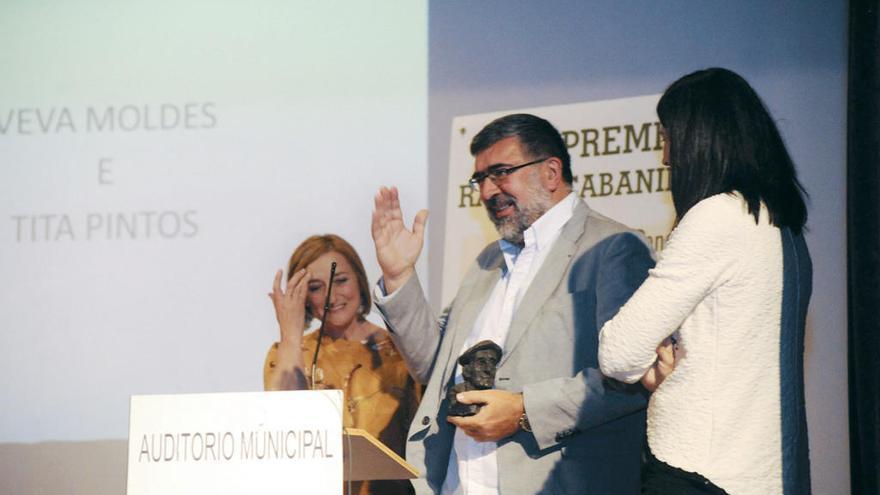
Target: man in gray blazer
{"type": "Point", "coordinates": [552, 424]}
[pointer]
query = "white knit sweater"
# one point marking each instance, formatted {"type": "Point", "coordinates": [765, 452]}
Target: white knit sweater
{"type": "Point", "coordinates": [719, 283]}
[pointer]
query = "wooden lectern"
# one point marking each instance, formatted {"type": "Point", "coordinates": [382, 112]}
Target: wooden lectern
{"type": "Point", "coordinates": [251, 442]}
{"type": "Point", "coordinates": [366, 458]}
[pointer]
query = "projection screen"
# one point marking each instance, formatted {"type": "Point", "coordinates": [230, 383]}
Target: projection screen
{"type": "Point", "coordinates": [160, 160]}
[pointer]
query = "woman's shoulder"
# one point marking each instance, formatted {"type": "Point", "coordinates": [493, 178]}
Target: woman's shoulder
{"type": "Point", "coordinates": [721, 212]}
{"type": "Point", "coordinates": [716, 225]}
{"type": "Point", "coordinates": [730, 203]}
{"type": "Point", "coordinates": [380, 344]}
{"type": "Point", "coordinates": [378, 338]}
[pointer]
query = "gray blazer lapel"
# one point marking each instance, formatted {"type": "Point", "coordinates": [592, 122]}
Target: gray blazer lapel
{"type": "Point", "coordinates": [548, 278]}
{"type": "Point", "coordinates": [471, 299]}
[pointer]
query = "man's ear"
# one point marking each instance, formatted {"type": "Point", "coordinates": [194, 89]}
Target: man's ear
{"type": "Point", "coordinates": [553, 174]}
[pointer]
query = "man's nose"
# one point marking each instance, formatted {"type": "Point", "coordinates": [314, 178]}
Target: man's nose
{"type": "Point", "coordinates": [488, 189]}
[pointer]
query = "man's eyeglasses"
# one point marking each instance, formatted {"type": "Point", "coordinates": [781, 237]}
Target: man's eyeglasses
{"type": "Point", "coordinates": [497, 173]}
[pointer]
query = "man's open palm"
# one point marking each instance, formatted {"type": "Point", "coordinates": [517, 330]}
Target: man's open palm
{"type": "Point", "coordinates": [397, 248]}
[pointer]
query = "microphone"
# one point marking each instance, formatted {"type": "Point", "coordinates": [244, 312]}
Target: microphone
{"type": "Point", "coordinates": [323, 319]}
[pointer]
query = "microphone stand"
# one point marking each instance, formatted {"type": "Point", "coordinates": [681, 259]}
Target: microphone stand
{"type": "Point", "coordinates": [323, 319]}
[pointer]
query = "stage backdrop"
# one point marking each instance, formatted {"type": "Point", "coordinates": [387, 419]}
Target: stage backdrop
{"type": "Point", "coordinates": [616, 153]}
{"type": "Point", "coordinates": [496, 55]}
{"type": "Point", "coordinates": [158, 162]}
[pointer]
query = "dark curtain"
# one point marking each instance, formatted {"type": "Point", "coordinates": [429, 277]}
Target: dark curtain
{"type": "Point", "coordinates": [863, 245]}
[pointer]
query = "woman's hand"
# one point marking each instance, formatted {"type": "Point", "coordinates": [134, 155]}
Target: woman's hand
{"type": "Point", "coordinates": [663, 367]}
{"type": "Point", "coordinates": [290, 310]}
{"type": "Point", "coordinates": [290, 305]}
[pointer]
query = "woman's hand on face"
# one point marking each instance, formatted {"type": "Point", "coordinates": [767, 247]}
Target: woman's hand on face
{"type": "Point", "coordinates": [290, 304]}
{"type": "Point", "coordinates": [663, 367]}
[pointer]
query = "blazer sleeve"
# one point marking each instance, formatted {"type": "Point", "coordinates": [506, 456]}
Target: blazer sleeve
{"type": "Point", "coordinates": [413, 326]}
{"type": "Point", "coordinates": [700, 256]}
{"type": "Point", "coordinates": [561, 407]}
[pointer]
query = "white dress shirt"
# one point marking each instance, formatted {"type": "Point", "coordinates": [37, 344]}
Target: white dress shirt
{"type": "Point", "coordinates": [473, 466]}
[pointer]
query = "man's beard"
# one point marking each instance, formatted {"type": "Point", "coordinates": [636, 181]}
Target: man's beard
{"type": "Point", "coordinates": [511, 227]}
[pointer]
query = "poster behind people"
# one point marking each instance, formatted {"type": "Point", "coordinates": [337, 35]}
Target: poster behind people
{"type": "Point", "coordinates": [616, 152]}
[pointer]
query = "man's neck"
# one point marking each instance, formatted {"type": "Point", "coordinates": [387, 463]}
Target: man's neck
{"type": "Point", "coordinates": [560, 194]}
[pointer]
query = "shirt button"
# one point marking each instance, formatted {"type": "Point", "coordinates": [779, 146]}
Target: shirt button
{"type": "Point", "coordinates": [426, 421]}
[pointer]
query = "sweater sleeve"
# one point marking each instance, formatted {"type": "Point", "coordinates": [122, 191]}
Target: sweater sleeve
{"type": "Point", "coordinates": [698, 258]}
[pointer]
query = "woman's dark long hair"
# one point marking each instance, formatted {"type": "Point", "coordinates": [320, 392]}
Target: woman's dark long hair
{"type": "Point", "coordinates": [722, 139]}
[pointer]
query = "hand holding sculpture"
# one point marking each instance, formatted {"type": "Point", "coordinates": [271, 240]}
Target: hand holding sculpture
{"type": "Point", "coordinates": [478, 366]}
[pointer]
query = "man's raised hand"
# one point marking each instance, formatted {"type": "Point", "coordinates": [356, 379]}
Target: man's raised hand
{"type": "Point", "coordinates": [397, 248]}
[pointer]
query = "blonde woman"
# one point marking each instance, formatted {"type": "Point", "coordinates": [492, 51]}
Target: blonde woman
{"type": "Point", "coordinates": [356, 356]}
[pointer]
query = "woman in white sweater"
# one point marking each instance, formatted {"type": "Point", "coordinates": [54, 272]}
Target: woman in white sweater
{"type": "Point", "coordinates": [730, 290]}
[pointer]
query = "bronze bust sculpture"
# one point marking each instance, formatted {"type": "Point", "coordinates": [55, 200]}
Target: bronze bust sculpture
{"type": "Point", "coordinates": [478, 365]}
